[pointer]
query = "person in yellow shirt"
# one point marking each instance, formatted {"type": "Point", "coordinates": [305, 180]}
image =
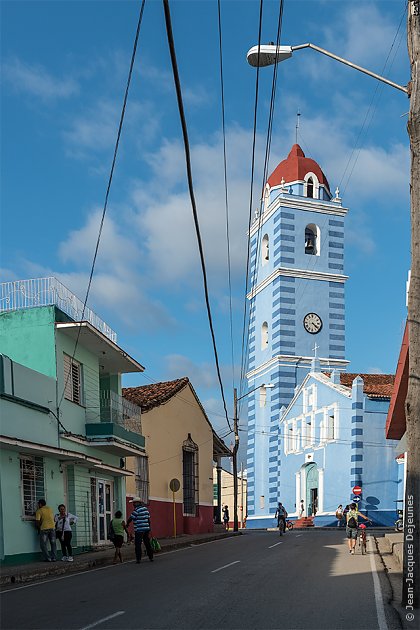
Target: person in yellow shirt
{"type": "Point", "coordinates": [44, 520]}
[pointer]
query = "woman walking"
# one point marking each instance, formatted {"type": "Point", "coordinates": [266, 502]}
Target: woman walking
{"type": "Point", "coordinates": [63, 522]}
{"type": "Point", "coordinates": [118, 527]}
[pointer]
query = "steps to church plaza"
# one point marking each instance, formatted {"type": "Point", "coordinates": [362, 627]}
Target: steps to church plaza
{"type": "Point", "coordinates": [14, 574]}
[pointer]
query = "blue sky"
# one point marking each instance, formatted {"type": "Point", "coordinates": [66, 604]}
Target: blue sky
{"type": "Point", "coordinates": [64, 72]}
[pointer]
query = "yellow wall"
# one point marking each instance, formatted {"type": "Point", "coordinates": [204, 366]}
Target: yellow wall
{"type": "Point", "coordinates": [165, 428]}
{"type": "Point", "coordinates": [227, 493]}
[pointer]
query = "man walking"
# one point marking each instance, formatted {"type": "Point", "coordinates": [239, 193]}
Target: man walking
{"type": "Point", "coordinates": [281, 515]}
{"type": "Point", "coordinates": [141, 519]}
{"type": "Point", "coordinates": [44, 521]}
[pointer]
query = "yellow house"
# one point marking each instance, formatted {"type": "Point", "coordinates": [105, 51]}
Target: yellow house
{"type": "Point", "coordinates": [225, 479]}
{"type": "Point", "coordinates": [181, 445]}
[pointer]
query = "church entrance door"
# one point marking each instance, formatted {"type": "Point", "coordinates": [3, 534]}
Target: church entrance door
{"type": "Point", "coordinates": [312, 489]}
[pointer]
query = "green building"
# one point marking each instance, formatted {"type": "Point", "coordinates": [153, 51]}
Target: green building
{"type": "Point", "coordinates": [65, 429]}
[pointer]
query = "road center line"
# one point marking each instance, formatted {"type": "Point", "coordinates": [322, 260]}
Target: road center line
{"type": "Point", "coordinates": [279, 543]}
{"type": "Point", "coordinates": [96, 623]}
{"type": "Point", "coordinates": [297, 535]}
{"type": "Point", "coordinates": [380, 611]}
{"type": "Point", "coordinates": [225, 566]}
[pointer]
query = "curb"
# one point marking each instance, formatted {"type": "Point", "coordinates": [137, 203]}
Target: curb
{"type": "Point", "coordinates": [16, 575]}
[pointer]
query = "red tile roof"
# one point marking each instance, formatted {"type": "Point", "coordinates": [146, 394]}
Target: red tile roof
{"type": "Point", "coordinates": [149, 396]}
{"type": "Point", "coordinates": [374, 385]}
{"type": "Point", "coordinates": [295, 167]}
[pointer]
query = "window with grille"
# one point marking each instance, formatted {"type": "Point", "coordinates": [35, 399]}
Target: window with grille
{"type": "Point", "coordinates": [32, 484]}
{"type": "Point", "coordinates": [142, 478]}
{"type": "Point", "coordinates": [190, 476]}
{"type": "Point", "coordinates": [73, 380]}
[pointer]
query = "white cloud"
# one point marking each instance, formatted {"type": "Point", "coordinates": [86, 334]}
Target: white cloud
{"type": "Point", "coordinates": [35, 80]}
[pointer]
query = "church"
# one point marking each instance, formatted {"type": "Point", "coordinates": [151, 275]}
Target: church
{"type": "Point", "coordinates": [296, 344]}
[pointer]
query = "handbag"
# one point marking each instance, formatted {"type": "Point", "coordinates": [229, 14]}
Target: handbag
{"type": "Point", "coordinates": [155, 544]}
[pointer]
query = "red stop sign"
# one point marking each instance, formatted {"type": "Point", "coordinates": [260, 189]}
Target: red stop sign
{"type": "Point", "coordinates": [357, 490]}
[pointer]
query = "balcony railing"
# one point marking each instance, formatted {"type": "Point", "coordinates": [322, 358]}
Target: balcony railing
{"type": "Point", "coordinates": [117, 409]}
{"type": "Point", "coordinates": [49, 292]}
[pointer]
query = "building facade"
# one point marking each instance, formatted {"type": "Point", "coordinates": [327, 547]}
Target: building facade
{"type": "Point", "coordinates": [65, 428]}
{"type": "Point", "coordinates": [332, 441]}
{"type": "Point", "coordinates": [297, 309]}
{"type": "Point", "coordinates": [181, 445]}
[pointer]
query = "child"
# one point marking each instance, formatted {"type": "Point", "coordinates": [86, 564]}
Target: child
{"type": "Point", "coordinates": [117, 529]}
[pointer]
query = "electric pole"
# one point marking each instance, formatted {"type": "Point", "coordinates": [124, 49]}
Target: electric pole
{"type": "Point", "coordinates": [411, 573]}
{"type": "Point", "coordinates": [235, 460]}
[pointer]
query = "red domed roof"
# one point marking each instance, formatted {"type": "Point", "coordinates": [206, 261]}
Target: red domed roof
{"type": "Point", "coordinates": [295, 167]}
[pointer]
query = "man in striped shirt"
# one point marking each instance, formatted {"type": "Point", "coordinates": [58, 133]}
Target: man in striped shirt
{"type": "Point", "coordinates": [141, 519]}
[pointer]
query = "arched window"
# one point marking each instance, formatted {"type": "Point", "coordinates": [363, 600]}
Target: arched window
{"type": "Point", "coordinates": [265, 253]}
{"type": "Point", "coordinates": [264, 336]}
{"type": "Point", "coordinates": [312, 240]}
{"type": "Point", "coordinates": [310, 187]}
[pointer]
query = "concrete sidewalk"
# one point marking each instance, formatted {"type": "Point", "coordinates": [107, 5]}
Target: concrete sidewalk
{"type": "Point", "coordinates": [93, 559]}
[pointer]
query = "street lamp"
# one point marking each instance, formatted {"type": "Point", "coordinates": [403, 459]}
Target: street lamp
{"type": "Point", "coordinates": [265, 55]}
{"type": "Point", "coordinates": [269, 54]}
{"type": "Point", "coordinates": [236, 447]}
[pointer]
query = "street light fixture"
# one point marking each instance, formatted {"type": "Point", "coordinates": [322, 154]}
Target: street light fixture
{"type": "Point", "coordinates": [269, 54]}
{"type": "Point", "coordinates": [236, 447]}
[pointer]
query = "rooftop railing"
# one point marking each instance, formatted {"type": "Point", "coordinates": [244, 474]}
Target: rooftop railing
{"type": "Point", "coordinates": [22, 294]}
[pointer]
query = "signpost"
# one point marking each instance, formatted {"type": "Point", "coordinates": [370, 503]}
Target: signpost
{"type": "Point", "coordinates": [357, 490]}
{"type": "Point", "coordinates": [174, 486]}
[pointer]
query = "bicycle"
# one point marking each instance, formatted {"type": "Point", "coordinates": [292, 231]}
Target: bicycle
{"type": "Point", "coordinates": [399, 525]}
{"type": "Point", "coordinates": [289, 525]}
{"type": "Point", "coordinates": [361, 535]}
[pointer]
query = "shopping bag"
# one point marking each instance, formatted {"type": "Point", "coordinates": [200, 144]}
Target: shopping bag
{"type": "Point", "coordinates": [155, 544]}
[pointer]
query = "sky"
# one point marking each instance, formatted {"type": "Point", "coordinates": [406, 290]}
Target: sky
{"type": "Point", "coordinates": [64, 71]}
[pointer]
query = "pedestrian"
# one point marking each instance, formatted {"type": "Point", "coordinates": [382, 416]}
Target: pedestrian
{"type": "Point", "coordinates": [63, 522]}
{"type": "Point", "coordinates": [339, 515]}
{"type": "Point", "coordinates": [226, 517]}
{"type": "Point", "coordinates": [351, 526]}
{"type": "Point", "coordinates": [301, 508]}
{"type": "Point", "coordinates": [118, 527]}
{"type": "Point", "coordinates": [281, 515]}
{"type": "Point", "coordinates": [141, 519]}
{"type": "Point", "coordinates": [44, 521]}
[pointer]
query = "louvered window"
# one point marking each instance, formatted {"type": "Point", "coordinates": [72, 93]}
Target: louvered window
{"type": "Point", "coordinates": [73, 380]}
{"type": "Point", "coordinates": [32, 484]}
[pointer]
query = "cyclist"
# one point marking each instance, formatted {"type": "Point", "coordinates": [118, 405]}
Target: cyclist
{"type": "Point", "coordinates": [281, 515]}
{"type": "Point", "coordinates": [352, 524]}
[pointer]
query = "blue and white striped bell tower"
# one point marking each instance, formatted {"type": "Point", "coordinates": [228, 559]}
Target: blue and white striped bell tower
{"type": "Point", "coordinates": [297, 312]}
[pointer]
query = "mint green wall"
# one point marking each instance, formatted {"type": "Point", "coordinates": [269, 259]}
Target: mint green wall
{"type": "Point", "coordinates": [27, 336]}
{"type": "Point", "coordinates": [20, 536]}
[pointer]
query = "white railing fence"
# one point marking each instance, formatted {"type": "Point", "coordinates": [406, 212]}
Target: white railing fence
{"type": "Point", "coordinates": [49, 292]}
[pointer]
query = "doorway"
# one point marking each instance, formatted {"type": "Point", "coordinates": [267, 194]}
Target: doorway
{"type": "Point", "coordinates": [104, 502]}
{"type": "Point", "coordinates": [312, 489]}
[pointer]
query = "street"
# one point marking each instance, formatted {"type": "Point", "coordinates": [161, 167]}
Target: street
{"type": "Point", "coordinates": [305, 579]}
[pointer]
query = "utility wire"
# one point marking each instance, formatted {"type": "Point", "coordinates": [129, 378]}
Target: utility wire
{"type": "Point", "coordinates": [267, 152]}
{"type": "Point", "coordinates": [171, 44]}
{"type": "Point", "coordinates": [133, 56]}
{"type": "Point", "coordinates": [226, 187]}
{"type": "Point", "coordinates": [244, 336]}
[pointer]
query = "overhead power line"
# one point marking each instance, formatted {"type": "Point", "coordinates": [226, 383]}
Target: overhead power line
{"type": "Point", "coordinates": [108, 189]}
{"type": "Point", "coordinates": [174, 63]}
{"type": "Point", "coordinates": [222, 93]}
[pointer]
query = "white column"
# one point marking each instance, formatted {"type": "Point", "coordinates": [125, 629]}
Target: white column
{"type": "Point", "coordinates": [298, 497]}
{"type": "Point", "coordinates": [320, 490]}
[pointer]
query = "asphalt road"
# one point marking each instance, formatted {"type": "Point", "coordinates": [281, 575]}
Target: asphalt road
{"type": "Point", "coordinates": [255, 581]}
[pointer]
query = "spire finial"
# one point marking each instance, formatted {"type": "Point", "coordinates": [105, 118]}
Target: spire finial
{"type": "Point", "coordinates": [297, 124]}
